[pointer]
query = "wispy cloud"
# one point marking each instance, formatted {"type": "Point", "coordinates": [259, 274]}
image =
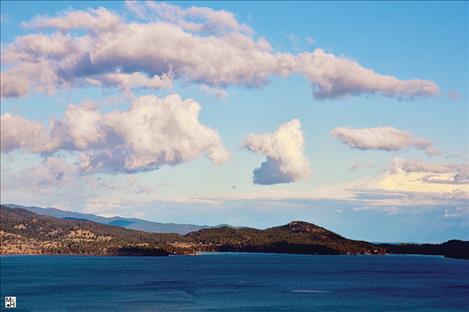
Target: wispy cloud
{"type": "Point", "coordinates": [310, 40]}
{"type": "Point", "coordinates": [354, 167]}
{"type": "Point", "coordinates": [454, 95]}
{"type": "Point", "coordinates": [404, 183]}
{"type": "Point", "coordinates": [382, 138]}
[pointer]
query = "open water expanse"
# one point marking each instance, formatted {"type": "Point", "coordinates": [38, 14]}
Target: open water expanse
{"type": "Point", "coordinates": [236, 282]}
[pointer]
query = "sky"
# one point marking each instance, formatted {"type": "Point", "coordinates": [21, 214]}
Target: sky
{"type": "Point", "coordinates": [350, 115]}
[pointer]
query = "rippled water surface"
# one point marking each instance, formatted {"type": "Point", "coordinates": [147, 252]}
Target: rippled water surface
{"type": "Point", "coordinates": [236, 282]}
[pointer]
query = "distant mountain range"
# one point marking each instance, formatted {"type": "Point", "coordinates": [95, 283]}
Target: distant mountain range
{"type": "Point", "coordinates": [25, 232]}
{"type": "Point", "coordinates": [128, 223]}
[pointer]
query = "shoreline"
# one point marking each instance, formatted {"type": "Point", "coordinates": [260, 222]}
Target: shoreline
{"type": "Point", "coordinates": [214, 253]}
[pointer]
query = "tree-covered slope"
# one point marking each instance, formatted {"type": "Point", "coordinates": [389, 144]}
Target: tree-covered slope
{"type": "Point", "coordinates": [295, 237]}
{"type": "Point", "coordinates": [25, 232]}
{"type": "Point", "coordinates": [128, 223]}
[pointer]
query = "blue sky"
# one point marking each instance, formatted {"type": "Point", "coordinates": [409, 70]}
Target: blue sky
{"type": "Point", "coordinates": [360, 183]}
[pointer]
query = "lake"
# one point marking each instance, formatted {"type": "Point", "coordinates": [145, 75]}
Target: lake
{"type": "Point", "coordinates": [236, 282]}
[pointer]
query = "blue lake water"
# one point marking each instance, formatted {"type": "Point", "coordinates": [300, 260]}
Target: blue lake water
{"type": "Point", "coordinates": [236, 282]}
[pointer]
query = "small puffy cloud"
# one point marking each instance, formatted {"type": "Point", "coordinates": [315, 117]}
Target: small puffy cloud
{"type": "Point", "coordinates": [381, 138]}
{"type": "Point", "coordinates": [167, 42]}
{"type": "Point", "coordinates": [284, 150]}
{"type": "Point", "coordinates": [153, 132]}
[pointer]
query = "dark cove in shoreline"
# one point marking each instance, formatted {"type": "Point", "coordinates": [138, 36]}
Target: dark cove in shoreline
{"type": "Point", "coordinates": [25, 232]}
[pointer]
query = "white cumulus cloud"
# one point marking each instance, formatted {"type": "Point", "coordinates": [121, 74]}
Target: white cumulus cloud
{"type": "Point", "coordinates": [284, 150]}
{"type": "Point", "coordinates": [153, 132]}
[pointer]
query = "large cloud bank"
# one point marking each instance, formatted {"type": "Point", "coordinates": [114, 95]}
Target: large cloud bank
{"type": "Point", "coordinates": [284, 150]}
{"type": "Point", "coordinates": [153, 132]}
{"type": "Point", "coordinates": [164, 42]}
{"type": "Point", "coordinates": [381, 138]}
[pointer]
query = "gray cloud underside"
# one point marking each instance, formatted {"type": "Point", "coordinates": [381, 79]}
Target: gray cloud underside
{"type": "Point", "coordinates": [284, 150]}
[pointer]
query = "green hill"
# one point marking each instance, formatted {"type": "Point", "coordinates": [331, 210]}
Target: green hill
{"type": "Point", "coordinates": [295, 237]}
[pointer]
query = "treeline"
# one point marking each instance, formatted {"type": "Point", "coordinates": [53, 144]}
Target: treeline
{"type": "Point", "coordinates": [43, 227]}
{"type": "Point", "coordinates": [451, 249]}
{"type": "Point", "coordinates": [23, 231]}
{"type": "Point", "coordinates": [295, 237]}
{"type": "Point", "coordinates": [51, 235]}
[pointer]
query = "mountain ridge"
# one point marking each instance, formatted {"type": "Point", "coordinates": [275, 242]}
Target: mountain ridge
{"type": "Point", "coordinates": [25, 232]}
{"type": "Point", "coordinates": [128, 223]}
